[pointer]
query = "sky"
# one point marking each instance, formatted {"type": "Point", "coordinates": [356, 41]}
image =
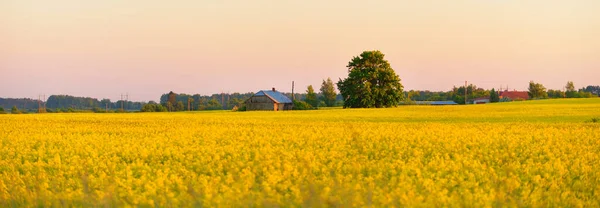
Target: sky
{"type": "Point", "coordinates": [145, 48]}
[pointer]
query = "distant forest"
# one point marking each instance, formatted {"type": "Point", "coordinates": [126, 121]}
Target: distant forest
{"type": "Point", "coordinates": [67, 103]}
{"type": "Point", "coordinates": [227, 101]}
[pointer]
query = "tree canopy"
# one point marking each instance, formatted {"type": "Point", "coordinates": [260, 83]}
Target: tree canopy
{"type": "Point", "coordinates": [537, 91]}
{"type": "Point", "coordinates": [15, 110]}
{"type": "Point", "coordinates": [311, 96]}
{"type": "Point", "coordinates": [328, 92]}
{"type": "Point", "coordinates": [494, 97]}
{"type": "Point", "coordinates": [371, 82]}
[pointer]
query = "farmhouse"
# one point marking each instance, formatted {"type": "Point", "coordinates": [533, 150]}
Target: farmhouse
{"type": "Point", "coordinates": [270, 100]}
{"type": "Point", "coordinates": [513, 95]}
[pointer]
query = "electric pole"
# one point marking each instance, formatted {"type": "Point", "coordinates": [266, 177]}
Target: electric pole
{"type": "Point", "coordinates": [122, 102]}
{"type": "Point", "coordinates": [189, 104]}
{"type": "Point", "coordinates": [126, 99]}
{"type": "Point", "coordinates": [41, 103]}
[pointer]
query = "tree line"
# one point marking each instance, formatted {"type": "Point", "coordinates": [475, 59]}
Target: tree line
{"type": "Point", "coordinates": [68, 104]}
{"type": "Point", "coordinates": [371, 82]}
{"type": "Point", "coordinates": [326, 97]}
{"type": "Point", "coordinates": [535, 91]}
{"type": "Point", "coordinates": [538, 91]}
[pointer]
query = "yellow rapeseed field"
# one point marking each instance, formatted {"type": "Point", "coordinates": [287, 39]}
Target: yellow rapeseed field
{"type": "Point", "coordinates": [531, 154]}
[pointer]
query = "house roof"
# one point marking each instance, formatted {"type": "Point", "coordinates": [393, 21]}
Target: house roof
{"type": "Point", "coordinates": [275, 96]}
{"type": "Point", "coordinates": [448, 102]}
{"type": "Point", "coordinates": [514, 95]}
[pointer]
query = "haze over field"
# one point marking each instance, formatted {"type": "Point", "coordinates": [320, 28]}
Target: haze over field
{"type": "Point", "coordinates": [105, 48]}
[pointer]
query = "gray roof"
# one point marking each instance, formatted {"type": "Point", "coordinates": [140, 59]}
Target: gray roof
{"type": "Point", "coordinates": [443, 103]}
{"type": "Point", "coordinates": [275, 95]}
{"type": "Point", "coordinates": [448, 102]}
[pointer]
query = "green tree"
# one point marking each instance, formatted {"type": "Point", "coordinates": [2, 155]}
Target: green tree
{"type": "Point", "coordinates": [570, 86]}
{"type": "Point", "coordinates": [159, 108]}
{"type": "Point", "coordinates": [591, 89]}
{"type": "Point", "coordinates": [328, 92]}
{"type": "Point", "coordinates": [148, 108]}
{"type": "Point", "coordinates": [235, 102]}
{"type": "Point", "coordinates": [15, 110]}
{"type": "Point", "coordinates": [311, 96]}
{"type": "Point", "coordinates": [190, 103]}
{"type": "Point", "coordinates": [153, 107]}
{"type": "Point", "coordinates": [570, 90]}
{"type": "Point", "coordinates": [301, 105]}
{"type": "Point", "coordinates": [494, 97]}
{"type": "Point", "coordinates": [179, 106]}
{"type": "Point", "coordinates": [371, 82]}
{"type": "Point", "coordinates": [413, 95]}
{"type": "Point", "coordinates": [2, 110]}
{"type": "Point", "coordinates": [214, 104]}
{"type": "Point", "coordinates": [537, 91]}
{"type": "Point", "coordinates": [556, 93]}
{"type": "Point", "coordinates": [170, 107]}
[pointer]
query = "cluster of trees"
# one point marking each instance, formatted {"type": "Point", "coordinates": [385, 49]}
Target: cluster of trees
{"type": "Point", "coordinates": [64, 102]}
{"type": "Point", "coordinates": [184, 102]}
{"type": "Point", "coordinates": [23, 103]}
{"type": "Point", "coordinates": [538, 91]}
{"type": "Point", "coordinates": [153, 107]}
{"type": "Point", "coordinates": [13, 110]}
{"type": "Point", "coordinates": [327, 97]}
{"type": "Point", "coordinates": [535, 91]}
{"type": "Point", "coordinates": [457, 94]}
{"type": "Point", "coordinates": [68, 103]}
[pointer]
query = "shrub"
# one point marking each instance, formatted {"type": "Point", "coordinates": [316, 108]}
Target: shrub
{"type": "Point", "coordinates": [301, 105]}
{"type": "Point", "coordinates": [98, 110]}
{"type": "Point", "coordinates": [152, 107]}
{"type": "Point", "coordinates": [15, 110]}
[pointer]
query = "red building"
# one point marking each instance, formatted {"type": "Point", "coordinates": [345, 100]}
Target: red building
{"type": "Point", "coordinates": [514, 95]}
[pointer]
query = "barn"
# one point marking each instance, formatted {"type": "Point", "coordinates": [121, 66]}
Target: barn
{"type": "Point", "coordinates": [269, 100]}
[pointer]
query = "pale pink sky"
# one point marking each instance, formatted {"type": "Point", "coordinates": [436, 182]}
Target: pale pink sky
{"type": "Point", "coordinates": [104, 48]}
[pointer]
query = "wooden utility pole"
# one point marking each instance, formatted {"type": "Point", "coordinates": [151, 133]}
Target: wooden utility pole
{"type": "Point", "coordinates": [293, 96]}
{"type": "Point", "coordinates": [41, 103]}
